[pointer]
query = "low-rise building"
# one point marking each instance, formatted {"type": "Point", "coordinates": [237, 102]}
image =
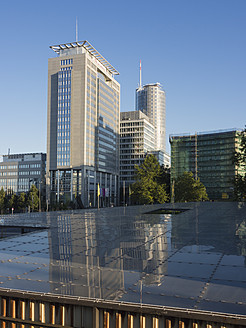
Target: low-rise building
{"type": "Point", "coordinates": [19, 171]}
{"type": "Point", "coordinates": [209, 156]}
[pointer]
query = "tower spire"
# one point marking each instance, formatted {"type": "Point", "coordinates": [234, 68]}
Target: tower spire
{"type": "Point", "coordinates": [76, 36]}
{"type": "Point", "coordinates": [140, 75]}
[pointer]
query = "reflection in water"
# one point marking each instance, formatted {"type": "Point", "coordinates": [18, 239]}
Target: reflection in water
{"type": "Point", "coordinates": [91, 256]}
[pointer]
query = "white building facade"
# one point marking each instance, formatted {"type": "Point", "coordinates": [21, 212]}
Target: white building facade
{"type": "Point", "coordinates": [137, 138]}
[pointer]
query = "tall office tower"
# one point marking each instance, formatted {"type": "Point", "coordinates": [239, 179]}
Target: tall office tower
{"type": "Point", "coordinates": [151, 100]}
{"type": "Point", "coordinates": [83, 126]}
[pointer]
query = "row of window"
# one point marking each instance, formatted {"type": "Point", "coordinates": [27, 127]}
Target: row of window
{"type": "Point", "coordinates": [8, 167]}
{"type": "Point", "coordinates": [31, 166]}
{"type": "Point", "coordinates": [66, 62]}
{"type": "Point", "coordinates": [29, 173]}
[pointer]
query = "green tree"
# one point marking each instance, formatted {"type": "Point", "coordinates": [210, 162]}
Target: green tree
{"type": "Point", "coordinates": [148, 188]}
{"type": "Point", "coordinates": [13, 202]}
{"type": "Point", "coordinates": [22, 203]}
{"type": "Point", "coordinates": [2, 200]}
{"type": "Point", "coordinates": [239, 159]}
{"type": "Point", "coordinates": [33, 198]}
{"type": "Point", "coordinates": [187, 189]}
{"type": "Point", "coordinates": [165, 178]}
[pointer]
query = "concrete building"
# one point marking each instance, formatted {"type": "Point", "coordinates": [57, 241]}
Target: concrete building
{"type": "Point", "coordinates": [83, 126]}
{"type": "Point", "coordinates": [208, 156]}
{"type": "Point", "coordinates": [19, 171]}
{"type": "Point", "coordinates": [137, 138]}
{"type": "Point", "coordinates": [151, 100]}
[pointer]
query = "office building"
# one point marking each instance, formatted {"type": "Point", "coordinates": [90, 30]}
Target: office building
{"type": "Point", "coordinates": [151, 100]}
{"type": "Point", "coordinates": [162, 157]}
{"type": "Point", "coordinates": [19, 171]}
{"type": "Point", "coordinates": [137, 138]}
{"type": "Point", "coordinates": [83, 126]}
{"type": "Point", "coordinates": [209, 156]}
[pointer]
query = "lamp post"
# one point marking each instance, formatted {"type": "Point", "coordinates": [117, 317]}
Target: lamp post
{"type": "Point", "coordinates": [39, 184]}
{"type": "Point", "coordinates": [31, 180]}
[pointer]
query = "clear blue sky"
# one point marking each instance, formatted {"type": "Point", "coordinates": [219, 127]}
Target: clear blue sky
{"type": "Point", "coordinates": [195, 48]}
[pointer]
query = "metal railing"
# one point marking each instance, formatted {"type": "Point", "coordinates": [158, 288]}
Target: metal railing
{"type": "Point", "coordinates": [27, 309]}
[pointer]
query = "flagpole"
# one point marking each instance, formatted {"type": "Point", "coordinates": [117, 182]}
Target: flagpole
{"type": "Point", "coordinates": [98, 194]}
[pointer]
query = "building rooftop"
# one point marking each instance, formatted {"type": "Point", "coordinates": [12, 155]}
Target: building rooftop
{"type": "Point", "coordinates": [192, 260]}
{"type": "Point", "coordinates": [204, 133]}
{"type": "Point", "coordinates": [86, 45]}
{"type": "Point", "coordinates": [133, 115]}
{"type": "Point", "coordinates": [23, 156]}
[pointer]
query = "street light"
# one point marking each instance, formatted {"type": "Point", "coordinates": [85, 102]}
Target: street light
{"type": "Point", "coordinates": [31, 179]}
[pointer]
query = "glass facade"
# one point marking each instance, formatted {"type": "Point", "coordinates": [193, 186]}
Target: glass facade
{"type": "Point", "coordinates": [19, 171]}
{"type": "Point", "coordinates": [141, 100]}
{"type": "Point", "coordinates": [209, 157]}
{"type": "Point", "coordinates": [108, 107]}
{"type": "Point", "coordinates": [64, 116]}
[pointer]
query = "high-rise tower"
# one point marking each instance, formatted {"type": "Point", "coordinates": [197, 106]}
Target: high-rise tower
{"type": "Point", "coordinates": [151, 100]}
{"type": "Point", "coordinates": [83, 126]}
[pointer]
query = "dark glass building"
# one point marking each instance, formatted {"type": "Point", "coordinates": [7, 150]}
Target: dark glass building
{"type": "Point", "coordinates": [209, 156]}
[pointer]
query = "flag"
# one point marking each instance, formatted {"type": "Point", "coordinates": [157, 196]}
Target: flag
{"type": "Point", "coordinates": [98, 190]}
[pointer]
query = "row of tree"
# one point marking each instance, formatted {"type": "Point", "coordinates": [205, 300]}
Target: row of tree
{"type": "Point", "coordinates": [19, 203]}
{"type": "Point", "coordinates": [153, 185]}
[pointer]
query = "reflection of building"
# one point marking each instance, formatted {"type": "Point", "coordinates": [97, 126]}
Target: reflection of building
{"type": "Point", "coordinates": [209, 157]}
{"type": "Point", "coordinates": [127, 267]}
{"type": "Point", "coordinates": [19, 171]}
{"type": "Point", "coordinates": [79, 259]}
{"type": "Point", "coordinates": [83, 126]}
{"type": "Point", "coordinates": [146, 251]}
{"type": "Point", "coordinates": [151, 100]}
{"type": "Point", "coordinates": [91, 257]}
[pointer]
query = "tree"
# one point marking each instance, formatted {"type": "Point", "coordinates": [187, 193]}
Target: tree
{"type": "Point", "coordinates": [165, 178]}
{"type": "Point", "coordinates": [22, 202]}
{"type": "Point", "coordinates": [148, 188]}
{"type": "Point", "coordinates": [239, 159]}
{"type": "Point", "coordinates": [187, 189]}
{"type": "Point", "coordinates": [33, 198]}
{"type": "Point", "coordinates": [13, 202]}
{"type": "Point", "coordinates": [2, 200]}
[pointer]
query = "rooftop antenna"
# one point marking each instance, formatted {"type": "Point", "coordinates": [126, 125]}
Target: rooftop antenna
{"type": "Point", "coordinates": [140, 75]}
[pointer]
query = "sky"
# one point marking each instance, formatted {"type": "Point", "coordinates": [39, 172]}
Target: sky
{"type": "Point", "coordinates": [196, 49]}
